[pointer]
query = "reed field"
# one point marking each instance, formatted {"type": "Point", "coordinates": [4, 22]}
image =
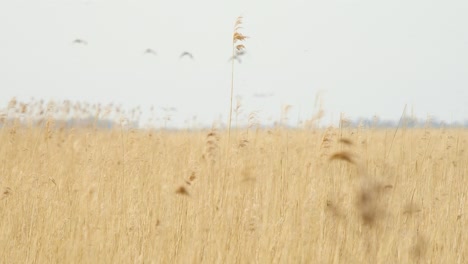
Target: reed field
{"type": "Point", "coordinates": [84, 194]}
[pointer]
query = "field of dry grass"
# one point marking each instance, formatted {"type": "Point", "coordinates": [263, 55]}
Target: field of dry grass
{"type": "Point", "coordinates": [349, 195]}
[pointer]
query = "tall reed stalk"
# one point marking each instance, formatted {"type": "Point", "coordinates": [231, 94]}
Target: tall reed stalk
{"type": "Point", "coordinates": [238, 49]}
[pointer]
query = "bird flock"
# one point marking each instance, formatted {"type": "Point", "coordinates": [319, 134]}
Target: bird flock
{"type": "Point", "coordinates": [148, 51]}
{"type": "Point", "coordinates": [186, 54]}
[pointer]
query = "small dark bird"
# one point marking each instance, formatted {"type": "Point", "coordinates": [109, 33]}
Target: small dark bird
{"type": "Point", "coordinates": [185, 53]}
{"type": "Point", "coordinates": [80, 41]}
{"type": "Point", "coordinates": [150, 51]}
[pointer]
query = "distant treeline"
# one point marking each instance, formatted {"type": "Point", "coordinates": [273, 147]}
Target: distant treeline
{"type": "Point", "coordinates": [405, 122]}
{"type": "Point", "coordinates": [109, 124]}
{"type": "Point", "coordinates": [70, 123]}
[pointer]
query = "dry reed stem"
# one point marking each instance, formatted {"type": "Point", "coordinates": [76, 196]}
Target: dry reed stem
{"type": "Point", "coordinates": [237, 51]}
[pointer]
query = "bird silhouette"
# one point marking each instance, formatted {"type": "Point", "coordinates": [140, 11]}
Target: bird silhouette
{"type": "Point", "coordinates": [185, 53]}
{"type": "Point", "coordinates": [150, 51]}
{"type": "Point", "coordinates": [80, 41]}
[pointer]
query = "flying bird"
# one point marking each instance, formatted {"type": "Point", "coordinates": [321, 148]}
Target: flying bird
{"type": "Point", "coordinates": [80, 41]}
{"type": "Point", "coordinates": [185, 53]}
{"type": "Point", "coordinates": [150, 51]}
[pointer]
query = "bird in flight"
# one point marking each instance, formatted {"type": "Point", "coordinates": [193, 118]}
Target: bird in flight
{"type": "Point", "coordinates": [150, 51]}
{"type": "Point", "coordinates": [185, 53]}
{"type": "Point", "coordinates": [80, 41]}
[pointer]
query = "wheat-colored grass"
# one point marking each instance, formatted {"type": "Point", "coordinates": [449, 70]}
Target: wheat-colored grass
{"type": "Point", "coordinates": [86, 195]}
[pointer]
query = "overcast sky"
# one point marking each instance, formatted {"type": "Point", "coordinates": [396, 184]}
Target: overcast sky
{"type": "Point", "coordinates": [366, 57]}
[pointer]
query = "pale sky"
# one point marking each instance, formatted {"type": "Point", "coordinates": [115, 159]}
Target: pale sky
{"type": "Point", "coordinates": [366, 57]}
